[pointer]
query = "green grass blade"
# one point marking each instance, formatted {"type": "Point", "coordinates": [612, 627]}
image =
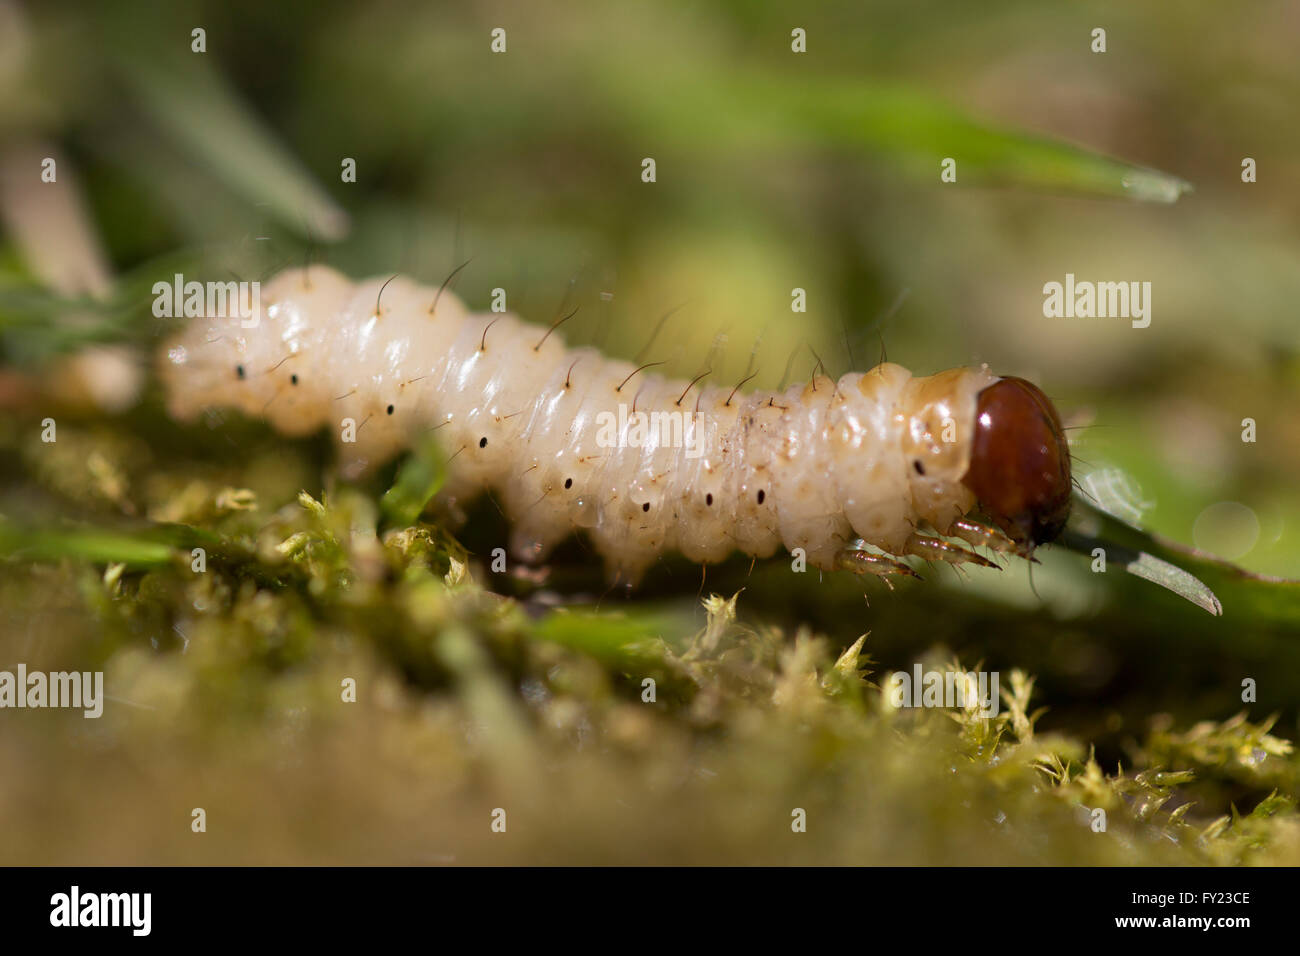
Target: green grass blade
{"type": "Point", "coordinates": [418, 479]}
{"type": "Point", "coordinates": [203, 114]}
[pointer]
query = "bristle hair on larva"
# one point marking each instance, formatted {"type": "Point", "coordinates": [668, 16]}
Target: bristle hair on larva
{"type": "Point", "coordinates": [560, 434]}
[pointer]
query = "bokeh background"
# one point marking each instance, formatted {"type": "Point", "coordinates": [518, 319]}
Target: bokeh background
{"type": "Point", "coordinates": [775, 170]}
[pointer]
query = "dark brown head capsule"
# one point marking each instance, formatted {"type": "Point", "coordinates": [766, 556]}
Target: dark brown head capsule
{"type": "Point", "coordinates": [1020, 462]}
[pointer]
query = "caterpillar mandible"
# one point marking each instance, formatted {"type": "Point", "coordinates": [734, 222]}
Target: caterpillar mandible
{"type": "Point", "coordinates": [883, 457]}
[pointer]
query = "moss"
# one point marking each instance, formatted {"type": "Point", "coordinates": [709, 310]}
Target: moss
{"type": "Point", "coordinates": [608, 734]}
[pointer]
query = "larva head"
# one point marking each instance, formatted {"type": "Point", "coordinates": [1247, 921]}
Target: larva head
{"type": "Point", "coordinates": [1020, 462]}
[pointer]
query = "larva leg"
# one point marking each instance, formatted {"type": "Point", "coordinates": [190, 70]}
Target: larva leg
{"type": "Point", "coordinates": [985, 536]}
{"type": "Point", "coordinates": [865, 562]}
{"type": "Point", "coordinates": [936, 549]}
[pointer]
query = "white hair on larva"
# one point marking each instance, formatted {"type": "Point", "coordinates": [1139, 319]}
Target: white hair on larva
{"type": "Point", "coordinates": [873, 456]}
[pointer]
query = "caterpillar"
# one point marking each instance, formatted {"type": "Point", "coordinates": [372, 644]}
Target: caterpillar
{"type": "Point", "coordinates": [882, 458]}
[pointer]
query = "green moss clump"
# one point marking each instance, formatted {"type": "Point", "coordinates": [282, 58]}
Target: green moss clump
{"type": "Point", "coordinates": [335, 688]}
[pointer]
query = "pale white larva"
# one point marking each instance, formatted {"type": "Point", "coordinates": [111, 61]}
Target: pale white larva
{"type": "Point", "coordinates": [879, 456]}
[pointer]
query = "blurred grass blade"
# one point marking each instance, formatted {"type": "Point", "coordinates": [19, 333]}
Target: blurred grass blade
{"type": "Point", "coordinates": [52, 228]}
{"type": "Point", "coordinates": [37, 324]}
{"type": "Point", "coordinates": [149, 546]}
{"type": "Point", "coordinates": [1148, 567]}
{"type": "Point", "coordinates": [618, 640]}
{"type": "Point", "coordinates": [909, 128]}
{"type": "Point", "coordinates": [1175, 579]}
{"type": "Point", "coordinates": [195, 105]}
{"type": "Point", "coordinates": [927, 132]}
{"type": "Point", "coordinates": [418, 479]}
{"type": "Point", "coordinates": [923, 131]}
{"type": "Point", "coordinates": [1127, 546]}
{"type": "Point", "coordinates": [90, 544]}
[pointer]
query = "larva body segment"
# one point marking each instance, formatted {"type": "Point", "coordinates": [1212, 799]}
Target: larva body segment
{"type": "Point", "coordinates": [555, 431]}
